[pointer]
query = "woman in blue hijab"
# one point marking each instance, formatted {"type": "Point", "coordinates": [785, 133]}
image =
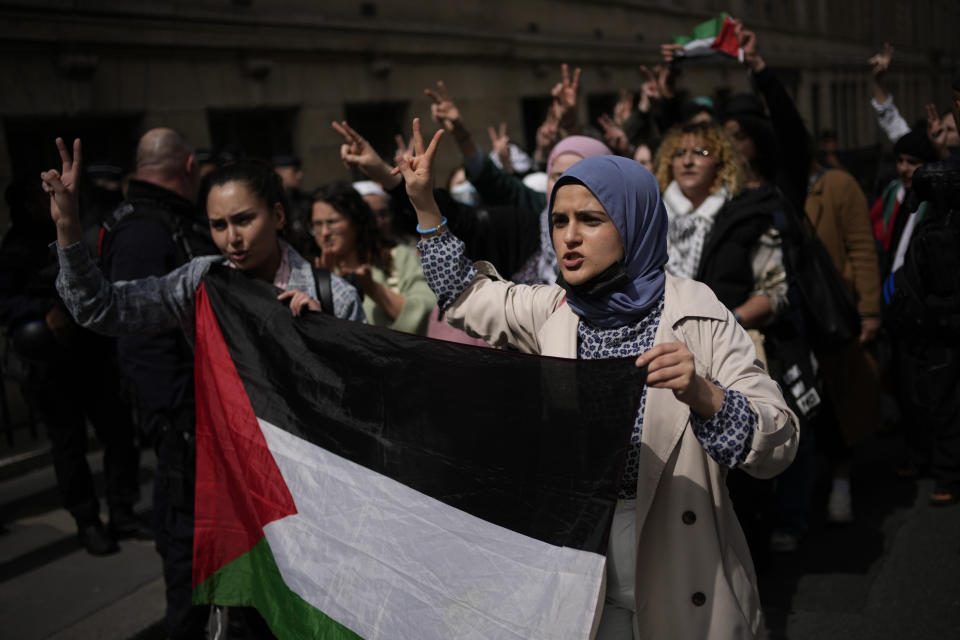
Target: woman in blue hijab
{"type": "Point", "coordinates": [677, 561]}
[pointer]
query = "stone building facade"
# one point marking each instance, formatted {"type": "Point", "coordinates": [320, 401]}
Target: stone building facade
{"type": "Point", "coordinates": [271, 75]}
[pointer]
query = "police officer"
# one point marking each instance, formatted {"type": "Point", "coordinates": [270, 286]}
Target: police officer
{"type": "Point", "coordinates": [154, 231]}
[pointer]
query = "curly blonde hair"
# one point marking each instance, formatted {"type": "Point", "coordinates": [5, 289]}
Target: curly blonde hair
{"type": "Point", "coordinates": [731, 172]}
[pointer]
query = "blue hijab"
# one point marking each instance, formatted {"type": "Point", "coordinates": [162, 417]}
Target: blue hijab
{"type": "Point", "coordinates": [631, 197]}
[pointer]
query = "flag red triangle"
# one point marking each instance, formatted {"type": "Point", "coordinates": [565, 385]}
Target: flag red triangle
{"type": "Point", "coordinates": [239, 487]}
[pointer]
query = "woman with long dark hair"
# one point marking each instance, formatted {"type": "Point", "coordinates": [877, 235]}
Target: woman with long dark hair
{"type": "Point", "coordinates": [246, 211]}
{"type": "Point", "coordinates": [351, 244]}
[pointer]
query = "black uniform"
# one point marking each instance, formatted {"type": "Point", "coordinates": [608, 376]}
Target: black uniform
{"type": "Point", "coordinates": [157, 231]}
{"type": "Point", "coordinates": [72, 377]}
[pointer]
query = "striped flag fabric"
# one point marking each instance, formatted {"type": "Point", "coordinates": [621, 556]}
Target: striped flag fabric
{"type": "Point", "coordinates": [712, 39]}
{"type": "Point", "coordinates": [357, 482]}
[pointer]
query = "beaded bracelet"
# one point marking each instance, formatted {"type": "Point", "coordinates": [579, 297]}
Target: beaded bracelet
{"type": "Point", "coordinates": [439, 227]}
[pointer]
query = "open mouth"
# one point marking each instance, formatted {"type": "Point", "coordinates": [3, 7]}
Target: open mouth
{"type": "Point", "coordinates": [572, 260]}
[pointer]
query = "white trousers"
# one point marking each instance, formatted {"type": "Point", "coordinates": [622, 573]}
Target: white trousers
{"type": "Point", "coordinates": [619, 619]}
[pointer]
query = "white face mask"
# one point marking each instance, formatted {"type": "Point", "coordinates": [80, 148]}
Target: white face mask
{"type": "Point", "coordinates": [465, 193]}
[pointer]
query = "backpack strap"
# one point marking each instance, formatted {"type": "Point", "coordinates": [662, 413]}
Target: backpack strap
{"type": "Point", "coordinates": [324, 289]}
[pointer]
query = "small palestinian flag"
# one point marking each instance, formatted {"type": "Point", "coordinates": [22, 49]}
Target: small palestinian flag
{"type": "Point", "coordinates": [712, 39]}
{"type": "Point", "coordinates": [357, 482]}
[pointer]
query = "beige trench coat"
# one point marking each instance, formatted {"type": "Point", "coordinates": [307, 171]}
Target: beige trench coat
{"type": "Point", "coordinates": [695, 577]}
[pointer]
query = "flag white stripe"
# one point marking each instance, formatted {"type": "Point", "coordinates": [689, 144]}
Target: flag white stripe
{"type": "Point", "coordinates": [698, 47]}
{"type": "Point", "coordinates": [389, 562]}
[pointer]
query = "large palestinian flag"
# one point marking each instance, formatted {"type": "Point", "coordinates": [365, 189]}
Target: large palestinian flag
{"type": "Point", "coordinates": [356, 482]}
{"type": "Point", "coordinates": [712, 40]}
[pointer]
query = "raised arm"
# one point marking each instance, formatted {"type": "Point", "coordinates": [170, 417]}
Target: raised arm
{"type": "Point", "coordinates": [565, 96]}
{"type": "Point", "coordinates": [417, 172]}
{"type": "Point", "coordinates": [444, 111]}
{"type": "Point", "coordinates": [355, 151]}
{"type": "Point", "coordinates": [879, 63]}
{"type": "Point", "coordinates": [666, 75]}
{"type": "Point", "coordinates": [500, 144]}
{"type": "Point", "coordinates": [888, 116]}
{"type": "Point", "coordinates": [63, 189]}
{"type": "Point", "coordinates": [937, 132]}
{"type": "Point", "coordinates": [793, 139]}
{"type": "Point", "coordinates": [486, 306]}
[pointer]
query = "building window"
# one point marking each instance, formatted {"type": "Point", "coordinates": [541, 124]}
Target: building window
{"type": "Point", "coordinates": [379, 123]}
{"type": "Point", "coordinates": [599, 104]}
{"type": "Point", "coordinates": [255, 133]}
{"type": "Point", "coordinates": [534, 112]}
{"type": "Point", "coordinates": [107, 139]}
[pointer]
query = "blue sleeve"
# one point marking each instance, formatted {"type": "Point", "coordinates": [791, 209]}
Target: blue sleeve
{"type": "Point", "coordinates": [727, 435]}
{"type": "Point", "coordinates": [346, 301]}
{"type": "Point", "coordinates": [148, 305]}
{"type": "Point", "coordinates": [447, 270]}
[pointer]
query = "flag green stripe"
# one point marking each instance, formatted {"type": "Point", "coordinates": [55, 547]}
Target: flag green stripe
{"type": "Point", "coordinates": [703, 31]}
{"type": "Point", "coordinates": [710, 28]}
{"type": "Point", "coordinates": [253, 580]}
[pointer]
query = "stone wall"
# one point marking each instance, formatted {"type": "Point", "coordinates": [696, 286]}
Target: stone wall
{"type": "Point", "coordinates": [83, 66]}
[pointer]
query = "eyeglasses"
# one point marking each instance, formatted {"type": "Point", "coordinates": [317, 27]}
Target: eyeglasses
{"type": "Point", "coordinates": [703, 152]}
{"type": "Point", "coordinates": [320, 224]}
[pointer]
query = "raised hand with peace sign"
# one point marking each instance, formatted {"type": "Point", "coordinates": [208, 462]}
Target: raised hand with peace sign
{"type": "Point", "coordinates": [879, 63]}
{"type": "Point", "coordinates": [615, 136]}
{"type": "Point", "coordinates": [444, 111]}
{"type": "Point", "coordinates": [63, 188]}
{"type": "Point", "coordinates": [564, 95]}
{"type": "Point", "coordinates": [623, 108]}
{"type": "Point", "coordinates": [417, 171]}
{"type": "Point", "coordinates": [357, 152]}
{"type": "Point", "coordinates": [500, 144]}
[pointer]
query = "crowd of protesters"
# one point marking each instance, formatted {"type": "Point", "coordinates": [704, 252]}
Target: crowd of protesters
{"type": "Point", "coordinates": [749, 202]}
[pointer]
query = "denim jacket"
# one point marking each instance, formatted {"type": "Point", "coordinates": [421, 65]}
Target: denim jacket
{"type": "Point", "coordinates": [157, 304]}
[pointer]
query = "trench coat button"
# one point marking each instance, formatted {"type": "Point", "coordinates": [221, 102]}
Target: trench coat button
{"type": "Point", "coordinates": [689, 517]}
{"type": "Point", "coordinates": [699, 599]}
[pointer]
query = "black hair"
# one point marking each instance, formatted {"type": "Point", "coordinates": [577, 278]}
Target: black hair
{"type": "Point", "coordinates": [916, 143]}
{"type": "Point", "coordinates": [758, 128]}
{"type": "Point", "coordinates": [372, 246]}
{"type": "Point", "coordinates": [258, 176]}
{"type": "Point", "coordinates": [652, 143]}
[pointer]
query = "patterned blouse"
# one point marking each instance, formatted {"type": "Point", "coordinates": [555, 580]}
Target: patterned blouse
{"type": "Point", "coordinates": [726, 436]}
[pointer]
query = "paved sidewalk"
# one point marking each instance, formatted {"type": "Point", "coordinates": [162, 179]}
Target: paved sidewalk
{"type": "Point", "coordinates": [51, 588]}
{"type": "Point", "coordinates": [893, 574]}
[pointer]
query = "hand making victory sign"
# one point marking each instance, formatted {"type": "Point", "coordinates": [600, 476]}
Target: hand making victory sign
{"type": "Point", "coordinates": [64, 197]}
{"type": "Point", "coordinates": [443, 110]}
{"type": "Point", "coordinates": [417, 172]}
{"type": "Point", "coordinates": [357, 152]}
{"type": "Point", "coordinates": [564, 95]}
{"type": "Point", "coordinates": [500, 144]}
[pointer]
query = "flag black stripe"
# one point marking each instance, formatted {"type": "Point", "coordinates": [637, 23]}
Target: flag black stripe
{"type": "Point", "coordinates": [529, 443]}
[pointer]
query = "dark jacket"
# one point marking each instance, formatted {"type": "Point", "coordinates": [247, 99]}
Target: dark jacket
{"type": "Point", "coordinates": [725, 260]}
{"type": "Point", "coordinates": [159, 366]}
{"type": "Point", "coordinates": [507, 237]}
